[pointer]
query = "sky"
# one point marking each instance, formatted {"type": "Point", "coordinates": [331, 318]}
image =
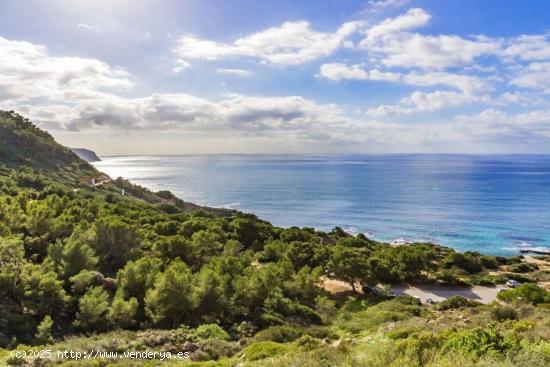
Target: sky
{"type": "Point", "coordinates": [316, 77]}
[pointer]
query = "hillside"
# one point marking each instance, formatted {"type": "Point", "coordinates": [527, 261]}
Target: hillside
{"type": "Point", "coordinates": [89, 271]}
{"type": "Point", "coordinates": [23, 145]}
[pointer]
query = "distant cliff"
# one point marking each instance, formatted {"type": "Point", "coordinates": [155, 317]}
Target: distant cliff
{"type": "Point", "coordinates": [86, 154]}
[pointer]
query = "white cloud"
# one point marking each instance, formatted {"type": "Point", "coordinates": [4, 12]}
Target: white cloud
{"type": "Point", "coordinates": [530, 125]}
{"type": "Point", "coordinates": [527, 47]}
{"type": "Point", "coordinates": [181, 65]}
{"type": "Point", "coordinates": [467, 88]}
{"type": "Point", "coordinates": [465, 83]}
{"type": "Point", "coordinates": [28, 71]}
{"type": "Point", "coordinates": [289, 44]}
{"type": "Point", "coordinates": [535, 76]}
{"type": "Point", "coordinates": [237, 72]}
{"type": "Point", "coordinates": [338, 71]}
{"type": "Point", "coordinates": [394, 44]}
{"type": "Point", "coordinates": [85, 26]}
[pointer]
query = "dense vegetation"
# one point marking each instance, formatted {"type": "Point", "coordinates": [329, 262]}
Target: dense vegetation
{"type": "Point", "coordinates": [84, 267]}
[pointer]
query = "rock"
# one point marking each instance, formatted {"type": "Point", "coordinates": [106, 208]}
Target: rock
{"type": "Point", "coordinates": [190, 347]}
{"type": "Point", "coordinates": [86, 154]}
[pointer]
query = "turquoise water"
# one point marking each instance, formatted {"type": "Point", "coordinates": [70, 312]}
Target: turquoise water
{"type": "Point", "coordinates": [490, 204]}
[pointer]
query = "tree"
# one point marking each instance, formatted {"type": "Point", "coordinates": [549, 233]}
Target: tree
{"type": "Point", "coordinates": [44, 331]}
{"type": "Point", "coordinates": [43, 292]}
{"type": "Point", "coordinates": [77, 254]}
{"type": "Point", "coordinates": [122, 312]}
{"type": "Point", "coordinates": [250, 232]}
{"type": "Point", "coordinates": [12, 265]}
{"type": "Point", "coordinates": [172, 247]}
{"type": "Point", "coordinates": [92, 310]}
{"type": "Point", "coordinates": [351, 264]}
{"type": "Point", "coordinates": [209, 294]}
{"type": "Point", "coordinates": [170, 301]}
{"type": "Point", "coordinates": [136, 278]}
{"type": "Point", "coordinates": [114, 241]}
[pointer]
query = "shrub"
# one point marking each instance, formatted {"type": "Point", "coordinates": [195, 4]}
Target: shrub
{"type": "Point", "coordinates": [448, 277]}
{"type": "Point", "coordinates": [522, 268]}
{"type": "Point", "coordinates": [307, 342]}
{"type": "Point", "coordinates": [402, 333]}
{"type": "Point", "coordinates": [308, 314]}
{"type": "Point", "coordinates": [455, 302]}
{"type": "Point", "coordinates": [525, 293]}
{"type": "Point", "coordinates": [321, 332]}
{"type": "Point", "coordinates": [280, 334]}
{"type": "Point", "coordinates": [491, 262]}
{"type": "Point", "coordinates": [263, 350]}
{"type": "Point", "coordinates": [487, 280]}
{"type": "Point", "coordinates": [216, 348]}
{"type": "Point", "coordinates": [481, 341]}
{"type": "Point", "coordinates": [467, 261]}
{"type": "Point", "coordinates": [211, 331]}
{"type": "Point", "coordinates": [500, 313]}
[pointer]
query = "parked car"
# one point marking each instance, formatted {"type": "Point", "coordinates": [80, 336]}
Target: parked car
{"type": "Point", "coordinates": [371, 290]}
{"type": "Point", "coordinates": [512, 283]}
{"type": "Point", "coordinates": [431, 301]}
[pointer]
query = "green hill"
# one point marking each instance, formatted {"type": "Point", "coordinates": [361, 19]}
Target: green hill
{"type": "Point", "coordinates": [23, 145]}
{"type": "Point", "coordinates": [85, 269]}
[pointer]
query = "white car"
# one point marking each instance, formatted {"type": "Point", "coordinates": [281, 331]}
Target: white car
{"type": "Point", "coordinates": [512, 283]}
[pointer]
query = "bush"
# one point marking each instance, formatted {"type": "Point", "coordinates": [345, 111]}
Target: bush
{"type": "Point", "coordinates": [522, 268]}
{"type": "Point", "coordinates": [468, 261]}
{"type": "Point", "coordinates": [215, 349]}
{"type": "Point", "coordinates": [500, 313]}
{"type": "Point", "coordinates": [486, 280]}
{"type": "Point", "coordinates": [211, 331]}
{"type": "Point", "coordinates": [481, 341]}
{"type": "Point", "coordinates": [263, 350]}
{"type": "Point", "coordinates": [308, 314]}
{"type": "Point", "coordinates": [492, 262]}
{"type": "Point", "coordinates": [449, 277]}
{"type": "Point", "coordinates": [455, 302]}
{"type": "Point", "coordinates": [280, 334]}
{"type": "Point", "coordinates": [525, 293]}
{"type": "Point", "coordinates": [403, 332]}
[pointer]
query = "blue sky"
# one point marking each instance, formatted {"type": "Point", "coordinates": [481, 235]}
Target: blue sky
{"type": "Point", "coordinates": [386, 76]}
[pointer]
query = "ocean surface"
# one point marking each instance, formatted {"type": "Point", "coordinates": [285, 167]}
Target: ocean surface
{"type": "Point", "coordinates": [491, 204]}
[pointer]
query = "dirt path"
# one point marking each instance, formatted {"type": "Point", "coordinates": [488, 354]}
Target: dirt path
{"type": "Point", "coordinates": [336, 286]}
{"type": "Point", "coordinates": [543, 264]}
{"type": "Point", "coordinates": [440, 293]}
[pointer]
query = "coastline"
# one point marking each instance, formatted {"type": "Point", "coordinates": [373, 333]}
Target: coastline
{"type": "Point", "coordinates": [301, 191]}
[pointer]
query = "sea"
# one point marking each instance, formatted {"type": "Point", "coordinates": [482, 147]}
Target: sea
{"type": "Point", "coordinates": [491, 204]}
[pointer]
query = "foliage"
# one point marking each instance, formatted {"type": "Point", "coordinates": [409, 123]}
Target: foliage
{"type": "Point", "coordinates": [525, 293]}
{"type": "Point", "coordinates": [211, 331]}
{"type": "Point", "coordinates": [263, 350]}
{"type": "Point", "coordinates": [44, 331]}
{"type": "Point", "coordinates": [455, 302]}
{"type": "Point", "coordinates": [500, 313]}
